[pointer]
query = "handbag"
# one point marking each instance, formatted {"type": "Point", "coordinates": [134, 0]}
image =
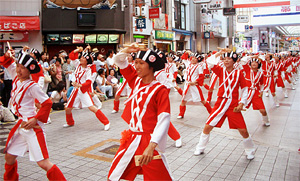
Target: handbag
{"type": "Point", "coordinates": [47, 78]}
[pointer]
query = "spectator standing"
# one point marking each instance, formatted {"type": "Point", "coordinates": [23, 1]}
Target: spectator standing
{"type": "Point", "coordinates": [109, 59]}
{"type": "Point", "coordinates": [7, 88]}
{"type": "Point", "coordinates": [68, 70]}
{"type": "Point", "coordinates": [53, 60]}
{"type": "Point", "coordinates": [46, 68]}
{"type": "Point", "coordinates": [56, 71]}
{"type": "Point", "coordinates": [112, 80]}
{"type": "Point", "coordinates": [100, 63]}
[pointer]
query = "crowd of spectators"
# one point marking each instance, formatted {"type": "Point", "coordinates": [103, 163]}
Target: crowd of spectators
{"type": "Point", "coordinates": [59, 73]}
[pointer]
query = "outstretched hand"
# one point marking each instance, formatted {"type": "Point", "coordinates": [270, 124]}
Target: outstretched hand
{"type": "Point", "coordinates": [9, 53]}
{"type": "Point", "coordinates": [133, 47]}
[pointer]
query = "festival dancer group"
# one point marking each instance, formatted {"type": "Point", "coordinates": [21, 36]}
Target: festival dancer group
{"type": "Point", "coordinates": [148, 77]}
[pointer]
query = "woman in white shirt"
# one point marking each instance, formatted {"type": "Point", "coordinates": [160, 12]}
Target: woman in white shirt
{"type": "Point", "coordinates": [57, 95]}
{"type": "Point", "coordinates": [101, 83]}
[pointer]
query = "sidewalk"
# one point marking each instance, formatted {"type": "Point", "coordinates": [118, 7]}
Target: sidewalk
{"type": "Point", "coordinates": [85, 151]}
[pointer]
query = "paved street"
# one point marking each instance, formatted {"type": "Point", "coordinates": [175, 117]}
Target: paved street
{"type": "Point", "coordinates": [85, 151]}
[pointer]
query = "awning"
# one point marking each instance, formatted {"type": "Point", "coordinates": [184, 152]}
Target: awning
{"type": "Point", "coordinates": [19, 23]}
{"type": "Point", "coordinates": [184, 32]}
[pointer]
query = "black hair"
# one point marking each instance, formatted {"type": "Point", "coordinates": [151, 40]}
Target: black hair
{"type": "Point", "coordinates": [109, 52]}
{"type": "Point", "coordinates": [60, 86]}
{"type": "Point", "coordinates": [58, 60]}
{"type": "Point", "coordinates": [44, 53]}
{"type": "Point", "coordinates": [100, 71]}
{"type": "Point", "coordinates": [259, 64]}
{"type": "Point", "coordinates": [111, 70]}
{"type": "Point", "coordinates": [56, 55]}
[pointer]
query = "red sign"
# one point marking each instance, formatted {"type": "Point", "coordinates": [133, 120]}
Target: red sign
{"type": "Point", "coordinates": [19, 23]}
{"type": "Point", "coordinates": [154, 13]}
{"type": "Point", "coordinates": [14, 36]}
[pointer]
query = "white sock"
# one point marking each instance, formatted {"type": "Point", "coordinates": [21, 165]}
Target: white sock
{"type": "Point", "coordinates": [266, 119]}
{"type": "Point", "coordinates": [249, 145]}
{"type": "Point", "coordinates": [203, 141]}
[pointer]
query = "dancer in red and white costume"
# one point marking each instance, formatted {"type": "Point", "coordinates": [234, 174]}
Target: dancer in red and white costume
{"type": "Point", "coordinates": [212, 81]}
{"type": "Point", "coordinates": [161, 76]}
{"type": "Point", "coordinates": [279, 69]}
{"type": "Point", "coordinates": [288, 71]}
{"type": "Point", "coordinates": [147, 113]}
{"type": "Point", "coordinates": [82, 88]}
{"type": "Point", "coordinates": [268, 68]}
{"type": "Point", "coordinates": [287, 64]}
{"type": "Point", "coordinates": [192, 91]}
{"type": "Point", "coordinates": [255, 79]}
{"type": "Point", "coordinates": [28, 134]}
{"type": "Point", "coordinates": [123, 89]}
{"type": "Point", "coordinates": [228, 104]}
{"type": "Point", "coordinates": [171, 70]}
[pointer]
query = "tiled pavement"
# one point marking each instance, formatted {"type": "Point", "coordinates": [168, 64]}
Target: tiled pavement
{"type": "Point", "coordinates": [84, 152]}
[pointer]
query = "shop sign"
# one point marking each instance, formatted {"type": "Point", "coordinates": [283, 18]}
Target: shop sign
{"type": "Point", "coordinates": [201, 1]}
{"type": "Point", "coordinates": [14, 36]}
{"type": "Point", "coordinates": [155, 3]}
{"type": "Point", "coordinates": [113, 38]}
{"type": "Point", "coordinates": [102, 38]}
{"type": "Point", "coordinates": [52, 39]}
{"type": "Point", "coordinates": [141, 23]}
{"type": "Point", "coordinates": [242, 18]}
{"type": "Point", "coordinates": [154, 13]}
{"type": "Point", "coordinates": [65, 38]}
{"type": "Point", "coordinates": [228, 11]}
{"type": "Point", "coordinates": [138, 36]}
{"type": "Point", "coordinates": [293, 48]}
{"type": "Point", "coordinates": [259, 3]}
{"type": "Point", "coordinates": [292, 38]}
{"type": "Point", "coordinates": [78, 38]}
{"type": "Point", "coordinates": [90, 38]}
{"type": "Point", "coordinates": [215, 4]}
{"type": "Point", "coordinates": [236, 40]}
{"type": "Point", "coordinates": [206, 35]}
{"type": "Point", "coordinates": [163, 35]}
{"type": "Point", "coordinates": [246, 27]}
{"type": "Point", "coordinates": [20, 23]}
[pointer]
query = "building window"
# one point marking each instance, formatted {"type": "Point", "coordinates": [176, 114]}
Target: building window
{"type": "Point", "coordinates": [179, 15]}
{"type": "Point", "coordinates": [182, 12]}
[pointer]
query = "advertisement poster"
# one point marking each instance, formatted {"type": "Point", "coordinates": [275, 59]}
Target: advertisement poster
{"type": "Point", "coordinates": [53, 39]}
{"type": "Point", "coordinates": [113, 38]}
{"type": "Point", "coordinates": [66, 39]}
{"type": "Point", "coordinates": [91, 38]}
{"type": "Point", "coordinates": [102, 38]}
{"type": "Point", "coordinates": [78, 38]}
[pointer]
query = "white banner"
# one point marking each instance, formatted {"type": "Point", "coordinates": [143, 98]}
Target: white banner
{"type": "Point", "coordinates": [259, 3]}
